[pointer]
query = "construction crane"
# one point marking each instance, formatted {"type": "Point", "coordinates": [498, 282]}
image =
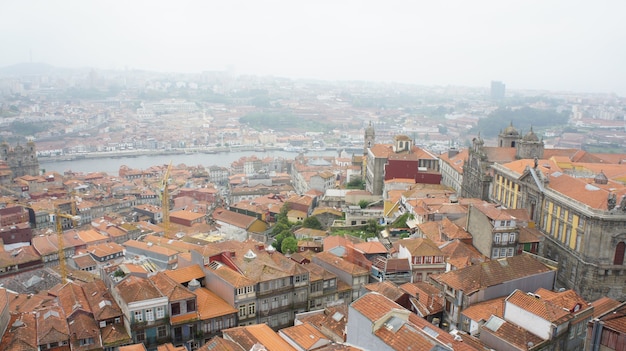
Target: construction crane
{"type": "Point", "coordinates": [59, 227]}
{"type": "Point", "coordinates": [165, 198]}
{"type": "Point", "coordinates": [58, 215]}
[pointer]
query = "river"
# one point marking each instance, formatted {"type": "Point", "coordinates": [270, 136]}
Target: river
{"type": "Point", "coordinates": [112, 165]}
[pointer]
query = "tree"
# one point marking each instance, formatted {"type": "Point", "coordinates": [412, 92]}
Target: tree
{"type": "Point", "coordinates": [363, 203]}
{"type": "Point", "coordinates": [289, 245]}
{"type": "Point", "coordinates": [356, 183]}
{"type": "Point", "coordinates": [312, 222]}
{"type": "Point", "coordinates": [372, 227]}
{"type": "Point", "coordinates": [279, 228]}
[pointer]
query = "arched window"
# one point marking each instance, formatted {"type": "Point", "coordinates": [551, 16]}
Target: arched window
{"type": "Point", "coordinates": [619, 253]}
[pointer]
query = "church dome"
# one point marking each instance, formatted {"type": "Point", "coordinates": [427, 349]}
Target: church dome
{"type": "Point", "coordinates": [530, 136]}
{"type": "Point", "coordinates": [510, 130]}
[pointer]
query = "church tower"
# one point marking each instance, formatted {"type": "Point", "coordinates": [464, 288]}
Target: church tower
{"type": "Point", "coordinates": [369, 138]}
{"type": "Point", "coordinates": [530, 146]}
{"type": "Point", "coordinates": [508, 137]}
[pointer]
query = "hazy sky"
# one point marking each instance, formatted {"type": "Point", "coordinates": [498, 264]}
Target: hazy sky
{"type": "Point", "coordinates": [555, 44]}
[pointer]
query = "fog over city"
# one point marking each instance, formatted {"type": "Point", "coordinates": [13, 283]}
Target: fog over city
{"type": "Point", "coordinates": [551, 45]}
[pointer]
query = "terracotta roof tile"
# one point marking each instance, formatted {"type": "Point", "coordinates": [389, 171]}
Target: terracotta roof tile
{"type": "Point", "coordinates": [603, 305]}
{"type": "Point", "coordinates": [133, 289]}
{"type": "Point", "coordinates": [248, 336]}
{"type": "Point", "coordinates": [114, 335]}
{"type": "Point", "coordinates": [331, 321]}
{"type": "Point", "coordinates": [220, 344]}
{"type": "Point", "coordinates": [461, 255]}
{"type": "Point", "coordinates": [538, 306]}
{"type": "Point", "coordinates": [387, 289]}
{"type": "Point", "coordinates": [21, 335]}
{"type": "Point", "coordinates": [170, 288]}
{"type": "Point", "coordinates": [52, 326]}
{"type": "Point", "coordinates": [419, 247]}
{"type": "Point", "coordinates": [100, 300]}
{"type": "Point", "coordinates": [186, 274]}
{"type": "Point", "coordinates": [482, 311]}
{"type": "Point", "coordinates": [305, 336]}
{"type": "Point", "coordinates": [511, 333]}
{"type": "Point", "coordinates": [490, 273]}
{"type": "Point", "coordinates": [210, 305]}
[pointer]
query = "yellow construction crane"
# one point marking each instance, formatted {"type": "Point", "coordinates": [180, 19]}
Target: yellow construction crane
{"type": "Point", "coordinates": [59, 227]}
{"type": "Point", "coordinates": [58, 215]}
{"type": "Point", "coordinates": [165, 198]}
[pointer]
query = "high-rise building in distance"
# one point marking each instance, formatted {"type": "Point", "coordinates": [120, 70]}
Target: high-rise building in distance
{"type": "Point", "coordinates": [497, 90]}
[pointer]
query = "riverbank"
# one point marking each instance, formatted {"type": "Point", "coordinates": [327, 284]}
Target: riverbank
{"type": "Point", "coordinates": [147, 152]}
{"type": "Point", "coordinates": [182, 151]}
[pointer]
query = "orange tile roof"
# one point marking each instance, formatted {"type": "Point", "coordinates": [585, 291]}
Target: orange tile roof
{"type": "Point", "coordinates": [419, 247]}
{"type": "Point", "coordinates": [233, 218]}
{"type": "Point", "coordinates": [168, 287]}
{"type": "Point", "coordinates": [490, 273]}
{"type": "Point", "coordinates": [100, 300]}
{"type": "Point", "coordinates": [461, 255]}
{"type": "Point", "coordinates": [331, 321]}
{"type": "Point", "coordinates": [236, 279]}
{"type": "Point", "coordinates": [21, 333]}
{"type": "Point", "coordinates": [210, 305]}
{"type": "Point", "coordinates": [91, 236]}
{"type": "Point", "coordinates": [248, 336]}
{"type": "Point", "coordinates": [305, 336]}
{"type": "Point", "coordinates": [538, 306]}
{"type": "Point", "coordinates": [220, 344]}
{"type": "Point", "coordinates": [603, 305]}
{"type": "Point", "coordinates": [513, 334]}
{"type": "Point", "coordinates": [186, 274]}
{"type": "Point", "coordinates": [482, 311]}
{"type": "Point", "coordinates": [135, 347]}
{"type": "Point", "coordinates": [134, 289]}
{"type": "Point", "coordinates": [371, 247]}
{"type": "Point", "coordinates": [170, 347]}
{"type": "Point", "coordinates": [386, 288]}
{"type": "Point", "coordinates": [186, 215]}
{"type": "Point", "coordinates": [341, 264]}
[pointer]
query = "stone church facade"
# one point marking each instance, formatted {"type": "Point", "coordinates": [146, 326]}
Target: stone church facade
{"type": "Point", "coordinates": [22, 160]}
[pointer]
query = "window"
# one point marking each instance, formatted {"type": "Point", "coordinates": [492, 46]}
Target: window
{"type": "Point", "coordinates": [495, 253]}
{"type": "Point", "coordinates": [503, 252]}
{"type": "Point", "coordinates": [242, 311]}
{"type": "Point", "coordinates": [509, 252]}
{"type": "Point", "coordinates": [512, 238]}
{"type": "Point", "coordinates": [175, 308]}
{"type": "Point", "coordinates": [138, 316]}
{"type": "Point", "coordinates": [251, 309]}
{"type": "Point", "coordinates": [161, 331]}
{"type": "Point", "coordinates": [618, 258]}
{"type": "Point", "coordinates": [505, 237]}
{"type": "Point", "coordinates": [191, 305]}
{"type": "Point", "coordinates": [160, 312]}
{"type": "Point", "coordinates": [496, 238]}
{"type": "Point", "coordinates": [87, 341]}
{"type": "Point", "coordinates": [141, 336]}
{"type": "Point", "coordinates": [296, 279]}
{"type": "Point", "coordinates": [149, 314]}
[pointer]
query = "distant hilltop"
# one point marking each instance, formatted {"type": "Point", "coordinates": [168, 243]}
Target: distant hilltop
{"type": "Point", "coordinates": [33, 69]}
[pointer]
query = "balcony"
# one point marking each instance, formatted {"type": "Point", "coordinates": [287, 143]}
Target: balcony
{"type": "Point", "coordinates": [274, 291]}
{"type": "Point", "coordinates": [149, 324]}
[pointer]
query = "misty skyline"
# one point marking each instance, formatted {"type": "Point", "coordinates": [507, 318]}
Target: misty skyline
{"type": "Point", "coordinates": [558, 45]}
